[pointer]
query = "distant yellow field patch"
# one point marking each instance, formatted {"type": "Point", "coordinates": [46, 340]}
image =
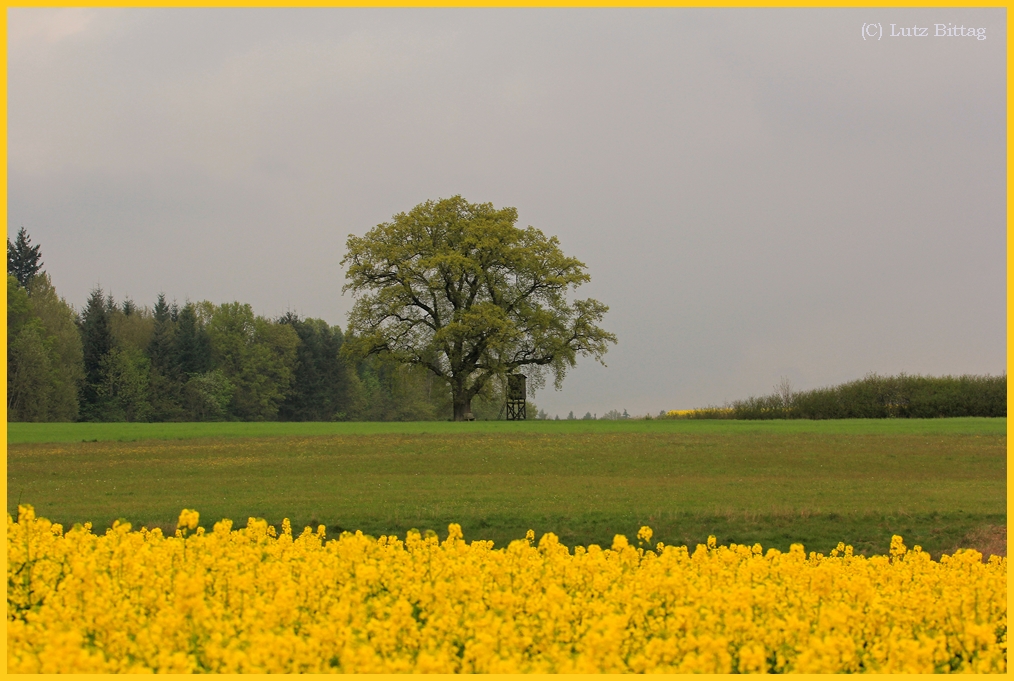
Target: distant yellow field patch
{"type": "Point", "coordinates": [685, 413]}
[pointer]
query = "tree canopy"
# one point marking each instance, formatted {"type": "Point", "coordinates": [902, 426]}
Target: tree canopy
{"type": "Point", "coordinates": [44, 363]}
{"type": "Point", "coordinates": [457, 288]}
{"type": "Point", "coordinates": [117, 360]}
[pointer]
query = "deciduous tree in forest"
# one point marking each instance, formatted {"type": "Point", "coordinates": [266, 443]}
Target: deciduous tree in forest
{"type": "Point", "coordinates": [256, 355]}
{"type": "Point", "coordinates": [28, 364]}
{"type": "Point", "coordinates": [457, 288]}
{"type": "Point", "coordinates": [64, 341]}
{"type": "Point", "coordinates": [124, 388]}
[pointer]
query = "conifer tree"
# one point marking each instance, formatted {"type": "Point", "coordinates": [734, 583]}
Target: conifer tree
{"type": "Point", "coordinates": [96, 342]}
{"type": "Point", "coordinates": [166, 381]}
{"type": "Point", "coordinates": [24, 260]}
{"type": "Point", "coordinates": [160, 347]}
{"type": "Point", "coordinates": [191, 345]}
{"type": "Point", "coordinates": [321, 379]}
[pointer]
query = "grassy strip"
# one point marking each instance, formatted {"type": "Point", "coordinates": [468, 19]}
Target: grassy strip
{"type": "Point", "coordinates": [857, 482]}
{"type": "Point", "coordinates": [20, 433]}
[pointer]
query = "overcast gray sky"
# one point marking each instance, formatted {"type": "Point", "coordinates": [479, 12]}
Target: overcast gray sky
{"type": "Point", "coordinates": [757, 194]}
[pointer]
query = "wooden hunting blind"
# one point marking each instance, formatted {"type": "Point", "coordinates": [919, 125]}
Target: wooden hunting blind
{"type": "Point", "coordinates": [516, 391]}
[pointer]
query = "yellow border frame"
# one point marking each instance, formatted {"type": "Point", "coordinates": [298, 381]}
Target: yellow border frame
{"type": "Point", "coordinates": [466, 3]}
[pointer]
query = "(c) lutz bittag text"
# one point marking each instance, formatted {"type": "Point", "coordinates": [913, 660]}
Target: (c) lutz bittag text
{"type": "Point", "coordinates": [937, 31]}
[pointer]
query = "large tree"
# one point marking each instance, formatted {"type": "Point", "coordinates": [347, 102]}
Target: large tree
{"type": "Point", "coordinates": [457, 288]}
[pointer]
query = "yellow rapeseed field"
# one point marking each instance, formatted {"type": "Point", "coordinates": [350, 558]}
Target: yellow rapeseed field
{"type": "Point", "coordinates": [690, 413]}
{"type": "Point", "coordinates": [252, 600]}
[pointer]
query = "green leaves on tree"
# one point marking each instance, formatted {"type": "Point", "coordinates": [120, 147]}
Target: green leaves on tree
{"type": "Point", "coordinates": [457, 288]}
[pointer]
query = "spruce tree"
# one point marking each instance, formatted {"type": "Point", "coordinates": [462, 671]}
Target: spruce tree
{"type": "Point", "coordinates": [96, 342]}
{"type": "Point", "coordinates": [191, 345]}
{"type": "Point", "coordinates": [166, 382]}
{"type": "Point", "coordinates": [160, 347]}
{"type": "Point", "coordinates": [321, 382]}
{"type": "Point", "coordinates": [161, 310]}
{"type": "Point", "coordinates": [24, 260]}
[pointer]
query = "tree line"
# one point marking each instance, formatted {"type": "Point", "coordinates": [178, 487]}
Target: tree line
{"type": "Point", "coordinates": [199, 361]}
{"type": "Point", "coordinates": [874, 397]}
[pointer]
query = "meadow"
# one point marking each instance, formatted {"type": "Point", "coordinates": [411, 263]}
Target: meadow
{"type": "Point", "coordinates": [940, 483]}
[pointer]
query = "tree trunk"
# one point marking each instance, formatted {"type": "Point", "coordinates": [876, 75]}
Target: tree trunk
{"type": "Point", "coordinates": [462, 408]}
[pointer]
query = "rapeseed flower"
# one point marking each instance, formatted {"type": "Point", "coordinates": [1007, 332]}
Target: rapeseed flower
{"type": "Point", "coordinates": [256, 600]}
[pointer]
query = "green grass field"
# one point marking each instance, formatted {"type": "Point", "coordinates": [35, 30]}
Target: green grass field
{"type": "Point", "coordinates": [939, 483]}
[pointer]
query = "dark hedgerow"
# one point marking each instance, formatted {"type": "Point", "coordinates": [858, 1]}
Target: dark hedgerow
{"type": "Point", "coordinates": [877, 397]}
